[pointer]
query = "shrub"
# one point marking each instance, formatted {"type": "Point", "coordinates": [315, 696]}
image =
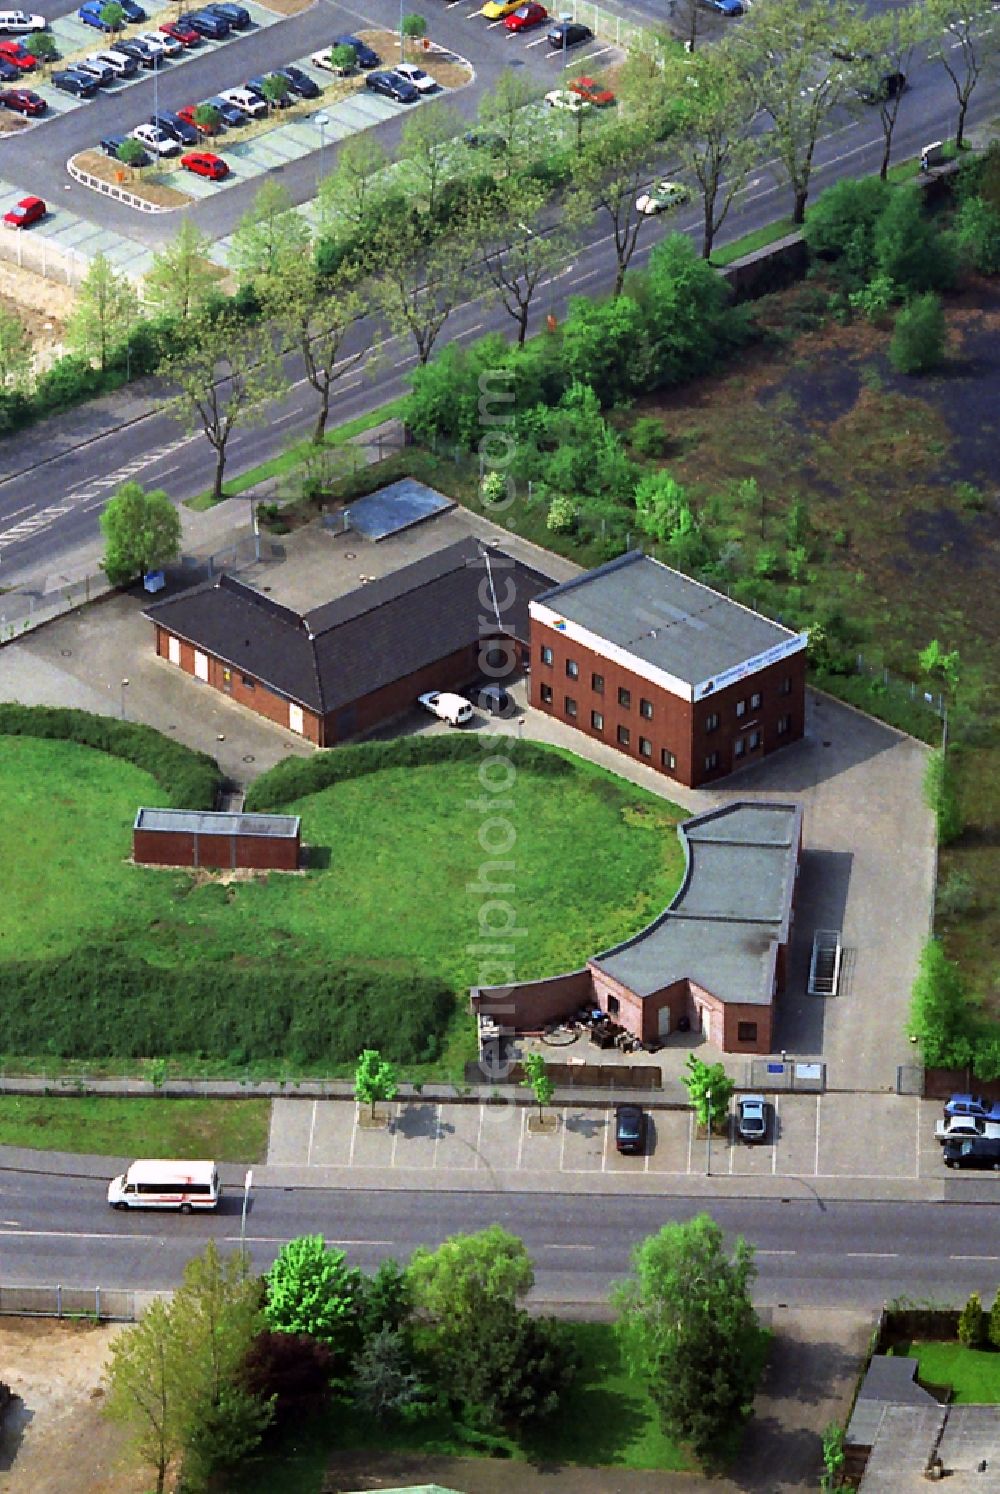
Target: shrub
{"type": "Point", "coordinates": [941, 797]}
{"type": "Point", "coordinates": [910, 248]}
{"type": "Point", "coordinates": [67, 381]}
{"type": "Point", "coordinates": [918, 342]}
{"type": "Point", "coordinates": [562, 515]}
{"type": "Point", "coordinates": [970, 1323]}
{"type": "Point", "coordinates": [648, 438]}
{"type": "Point", "coordinates": [955, 896]}
{"type": "Point", "coordinates": [977, 231]}
{"type": "Point", "coordinates": [840, 225]}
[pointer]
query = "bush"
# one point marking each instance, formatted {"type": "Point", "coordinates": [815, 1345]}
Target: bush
{"type": "Point", "coordinates": [970, 1323]}
{"type": "Point", "coordinates": [918, 342]}
{"type": "Point", "coordinates": [69, 380]}
{"type": "Point", "coordinates": [840, 225]}
{"type": "Point", "coordinates": [955, 896]}
{"type": "Point", "coordinates": [647, 437]}
{"type": "Point", "coordinates": [689, 321]}
{"type": "Point", "coordinates": [977, 231]}
{"type": "Point", "coordinates": [941, 797]}
{"type": "Point", "coordinates": [188, 779]}
{"type": "Point", "coordinates": [910, 248]}
{"type": "Point", "coordinates": [561, 517]}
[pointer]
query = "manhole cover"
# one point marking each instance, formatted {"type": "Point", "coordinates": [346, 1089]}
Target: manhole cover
{"type": "Point", "coordinates": [67, 653]}
{"type": "Point", "coordinates": [249, 758]}
{"type": "Point", "coordinates": [827, 744]}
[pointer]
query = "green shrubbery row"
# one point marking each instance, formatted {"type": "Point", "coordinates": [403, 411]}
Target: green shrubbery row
{"type": "Point", "coordinates": [950, 1027]}
{"type": "Point", "coordinates": [100, 1003]}
{"type": "Point", "coordinates": [295, 777]}
{"type": "Point", "coordinates": [188, 779]}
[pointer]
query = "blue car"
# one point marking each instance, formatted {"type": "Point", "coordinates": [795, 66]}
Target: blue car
{"type": "Point", "coordinates": [237, 15]}
{"type": "Point", "coordinates": [229, 113]}
{"type": "Point", "coordinates": [299, 82]}
{"type": "Point", "coordinates": [366, 57]}
{"type": "Point", "coordinates": [90, 15]}
{"type": "Point", "coordinates": [728, 7]}
{"type": "Point", "coordinates": [975, 1105]}
{"type": "Point", "coordinates": [206, 23]}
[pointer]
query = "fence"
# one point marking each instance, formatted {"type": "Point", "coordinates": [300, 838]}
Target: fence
{"type": "Point", "coordinates": [607, 25]}
{"type": "Point", "coordinates": [110, 1304]}
{"type": "Point", "coordinates": [896, 686]}
{"type": "Point", "coordinates": [37, 253]}
{"type": "Point", "coordinates": [21, 610]}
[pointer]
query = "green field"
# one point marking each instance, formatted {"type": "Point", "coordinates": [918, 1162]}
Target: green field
{"type": "Point", "coordinates": [973, 1374]}
{"type": "Point", "coordinates": [228, 1130]}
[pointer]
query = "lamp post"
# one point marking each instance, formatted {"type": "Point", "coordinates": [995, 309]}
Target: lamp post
{"type": "Point", "coordinates": [124, 688]}
{"type": "Point", "coordinates": [321, 121]}
{"type": "Point", "coordinates": [247, 1185]}
{"type": "Point", "coordinates": [708, 1133]}
{"type": "Point", "coordinates": [565, 17]}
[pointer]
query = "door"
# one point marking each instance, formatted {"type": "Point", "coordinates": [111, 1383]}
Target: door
{"type": "Point", "coordinates": [174, 650]}
{"type": "Point", "coordinates": [295, 717]}
{"type": "Point", "coordinates": [227, 681]}
{"type": "Point", "coordinates": [663, 1022]}
{"type": "Point", "coordinates": [200, 665]}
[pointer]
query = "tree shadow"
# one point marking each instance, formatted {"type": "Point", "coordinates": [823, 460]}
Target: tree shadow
{"type": "Point", "coordinates": [421, 1122]}
{"type": "Point", "coordinates": [16, 1420]}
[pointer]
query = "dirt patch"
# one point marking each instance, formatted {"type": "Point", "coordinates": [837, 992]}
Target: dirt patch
{"type": "Point", "coordinates": [57, 1438]}
{"type": "Point", "coordinates": [44, 307]}
{"type": "Point", "coordinates": [106, 170]}
{"type": "Point", "coordinates": [287, 7]}
{"type": "Point", "coordinates": [437, 61]}
{"type": "Point", "coordinates": [11, 123]}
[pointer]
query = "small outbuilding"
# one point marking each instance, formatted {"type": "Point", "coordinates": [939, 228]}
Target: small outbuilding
{"type": "Point", "coordinates": [219, 841]}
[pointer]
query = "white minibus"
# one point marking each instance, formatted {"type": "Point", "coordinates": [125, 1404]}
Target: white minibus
{"type": "Point", "coordinates": [152, 1183]}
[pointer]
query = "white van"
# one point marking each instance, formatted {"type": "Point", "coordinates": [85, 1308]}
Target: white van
{"type": "Point", "coordinates": [19, 22]}
{"type": "Point", "coordinates": [153, 1183]}
{"type": "Point", "coordinates": [454, 709]}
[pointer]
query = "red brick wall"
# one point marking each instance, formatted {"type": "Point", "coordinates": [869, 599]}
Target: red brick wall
{"type": "Point", "coordinates": [177, 848]}
{"type": "Point", "coordinates": [232, 682]}
{"type": "Point", "coordinates": [163, 848]}
{"type": "Point", "coordinates": [531, 1005]}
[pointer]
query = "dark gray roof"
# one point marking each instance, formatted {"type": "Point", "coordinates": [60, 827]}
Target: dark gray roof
{"type": "Point", "coordinates": [733, 909]}
{"type": "Point", "coordinates": [208, 822]}
{"type": "Point", "coordinates": [665, 619]}
{"type": "Point", "coordinates": [368, 638]}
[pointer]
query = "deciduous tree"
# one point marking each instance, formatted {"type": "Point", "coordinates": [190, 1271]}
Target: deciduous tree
{"type": "Point", "coordinates": [967, 42]}
{"type": "Point", "coordinates": [886, 44]}
{"type": "Point", "coordinates": [710, 1089]}
{"type": "Point", "coordinates": [132, 154]}
{"type": "Point", "coordinates": [182, 279]}
{"type": "Point", "coordinates": [537, 1078]}
{"type": "Point", "coordinates": [504, 110]}
{"type": "Point", "coordinates": [142, 533]}
{"type": "Point", "coordinates": [374, 1079]}
{"type": "Point", "coordinates": [315, 314]}
{"type": "Point", "coordinates": [608, 173]}
{"type": "Point", "coordinates": [519, 251]}
{"type": "Point", "coordinates": [970, 1323]}
{"type": "Point", "coordinates": [15, 352]}
{"type": "Point", "coordinates": [268, 234]}
{"type": "Point", "coordinates": [349, 195]}
{"type": "Point", "coordinates": [419, 284]}
{"type": "Point", "coordinates": [425, 155]}
{"type": "Point", "coordinates": [145, 1381]}
{"type": "Point", "coordinates": [311, 1289]}
{"type": "Point", "coordinates": [106, 307]}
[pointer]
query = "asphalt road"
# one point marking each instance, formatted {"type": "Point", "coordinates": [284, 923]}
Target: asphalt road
{"type": "Point", "coordinates": [809, 1253]}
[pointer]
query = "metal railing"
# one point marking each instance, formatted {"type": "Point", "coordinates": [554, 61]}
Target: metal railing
{"type": "Point", "coordinates": [607, 25]}
{"type": "Point", "coordinates": [39, 254]}
{"type": "Point", "coordinates": [104, 1304]}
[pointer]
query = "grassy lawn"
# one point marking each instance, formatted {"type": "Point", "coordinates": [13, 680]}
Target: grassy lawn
{"type": "Point", "coordinates": [228, 1130]}
{"type": "Point", "coordinates": [594, 860]}
{"type": "Point", "coordinates": [973, 1374]}
{"type": "Point", "coordinates": [610, 1422]}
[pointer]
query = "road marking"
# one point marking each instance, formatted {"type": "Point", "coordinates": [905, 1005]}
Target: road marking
{"type": "Point", "coordinates": [974, 1257]}
{"type": "Point", "coordinates": [916, 1117]}
{"type": "Point", "coordinates": [520, 1139]}
{"type": "Point", "coordinates": [395, 1137]}
{"type": "Point", "coordinates": [479, 1134]}
{"type": "Point", "coordinates": [71, 1234]}
{"type": "Point", "coordinates": [312, 1129]}
{"type": "Point", "coordinates": [604, 1148]}
{"type": "Point", "coordinates": [872, 1255]}
{"type": "Point", "coordinates": [282, 1240]}
{"type": "Point", "coordinates": [536, 43]}
{"type": "Point", "coordinates": [437, 1131]}
{"type": "Point", "coordinates": [774, 1143]}
{"type": "Point", "coordinates": [690, 1138]}
{"type": "Point", "coordinates": [354, 1136]}
{"type": "Point", "coordinates": [562, 1142]}
{"type": "Point", "coordinates": [570, 1247]}
{"type": "Point", "coordinates": [816, 1167]}
{"type": "Point", "coordinates": [776, 1252]}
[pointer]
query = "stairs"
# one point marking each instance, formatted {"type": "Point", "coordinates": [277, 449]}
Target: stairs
{"type": "Point", "coordinates": [824, 967]}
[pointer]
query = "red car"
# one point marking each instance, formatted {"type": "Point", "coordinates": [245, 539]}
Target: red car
{"type": "Point", "coordinates": [16, 53]}
{"type": "Point", "coordinates": [187, 114]}
{"type": "Point", "coordinates": [181, 32]}
{"type": "Point", "coordinates": [592, 91]}
{"type": "Point", "coordinates": [205, 163]}
{"type": "Point", "coordinates": [23, 101]}
{"type": "Point", "coordinates": [526, 16]}
{"type": "Point", "coordinates": [27, 211]}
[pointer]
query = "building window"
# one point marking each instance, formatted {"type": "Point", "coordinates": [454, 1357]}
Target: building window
{"type": "Point", "coordinates": [739, 746]}
{"type": "Point", "coordinates": [646, 709]}
{"type": "Point", "coordinates": [754, 741]}
{"type": "Point", "coordinates": [755, 702]}
{"type": "Point", "coordinates": [746, 1032]}
{"type": "Point", "coordinates": [786, 685]}
{"type": "Point", "coordinates": [645, 747]}
{"type": "Point", "coordinates": [597, 720]}
{"type": "Point", "coordinates": [784, 722]}
{"type": "Point", "coordinates": [572, 669]}
{"type": "Point", "coordinates": [711, 762]}
{"type": "Point", "coordinates": [624, 736]}
{"type": "Point", "coordinates": [624, 698]}
{"type": "Point", "coordinates": [570, 705]}
{"type": "Point", "coordinates": [546, 654]}
{"type": "Point", "coordinates": [247, 682]}
{"type": "Point", "coordinates": [712, 722]}
{"type": "Point", "coordinates": [597, 683]}
{"type": "Point", "coordinates": [667, 760]}
{"type": "Point", "coordinates": [614, 1006]}
{"type": "Point", "coordinates": [741, 708]}
{"type": "Point", "coordinates": [546, 692]}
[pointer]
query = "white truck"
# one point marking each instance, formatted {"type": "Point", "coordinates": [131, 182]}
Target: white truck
{"type": "Point", "coordinates": [962, 1127]}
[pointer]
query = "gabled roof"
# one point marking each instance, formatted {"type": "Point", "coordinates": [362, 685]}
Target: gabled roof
{"type": "Point", "coordinates": [364, 640]}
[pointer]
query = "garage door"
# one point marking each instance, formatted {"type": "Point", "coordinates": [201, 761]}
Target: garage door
{"type": "Point", "coordinates": [200, 665]}
{"type": "Point", "coordinates": [174, 650]}
{"type": "Point", "coordinates": [295, 717]}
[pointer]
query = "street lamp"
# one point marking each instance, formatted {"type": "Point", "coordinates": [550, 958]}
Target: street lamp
{"type": "Point", "coordinates": [708, 1133]}
{"type": "Point", "coordinates": [565, 17]}
{"type": "Point", "coordinates": [247, 1185]}
{"type": "Point", "coordinates": [124, 687]}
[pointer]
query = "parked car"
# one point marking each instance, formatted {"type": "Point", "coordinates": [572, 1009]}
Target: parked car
{"type": "Point", "coordinates": [661, 197]}
{"type": "Point", "coordinates": [120, 63]}
{"type": "Point", "coordinates": [8, 72]}
{"type": "Point", "coordinates": [889, 86]}
{"type": "Point", "coordinates": [161, 45]}
{"type": "Point", "coordinates": [300, 82]}
{"type": "Point", "coordinates": [497, 10]}
{"type": "Point", "coordinates": [245, 100]}
{"type": "Point", "coordinates": [231, 113]}
{"type": "Point", "coordinates": [526, 17]}
{"type": "Point", "coordinates": [256, 85]}
{"type": "Point", "coordinates": [593, 92]}
{"type": "Point", "coordinates": [133, 13]}
{"type": "Point", "coordinates": [90, 15]}
{"type": "Point", "coordinates": [975, 1152]}
{"type": "Point", "coordinates": [963, 1104]}
{"type": "Point", "coordinates": [178, 129]}
{"type": "Point", "coordinates": [420, 80]}
{"type": "Point", "coordinates": [962, 1127]}
{"type": "Point", "coordinates": [143, 53]}
{"type": "Point", "coordinates": [23, 101]}
{"type": "Point", "coordinates": [206, 23]}
{"type": "Point", "coordinates": [568, 34]}
{"type": "Point", "coordinates": [71, 80]}
{"type": "Point", "coordinates": [17, 54]}
{"type": "Point", "coordinates": [111, 144]}
{"type": "Point", "coordinates": [752, 1117]}
{"type": "Point", "coordinates": [630, 1130]}
{"type": "Point", "coordinates": [21, 22]}
{"type": "Point", "coordinates": [156, 141]}
{"type": "Point", "coordinates": [454, 709]}
{"type": "Point", "coordinates": [496, 701]}
{"type": "Point", "coordinates": [187, 115]}
{"type": "Point", "coordinates": [205, 163]}
{"type": "Point", "coordinates": [100, 71]}
{"type": "Point", "coordinates": [726, 7]}
{"type": "Point", "coordinates": [29, 210]}
{"type": "Point", "coordinates": [366, 57]}
{"type": "Point", "coordinates": [323, 59]}
{"type": "Point", "coordinates": [392, 86]}
{"type": "Point", "coordinates": [562, 98]}
{"type": "Point", "coordinates": [237, 15]}
{"type": "Point", "coordinates": [181, 32]}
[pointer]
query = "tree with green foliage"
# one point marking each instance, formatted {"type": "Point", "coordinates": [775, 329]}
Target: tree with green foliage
{"type": "Point", "coordinates": [966, 41]}
{"type": "Point", "coordinates": [608, 174]}
{"type": "Point", "coordinates": [385, 1382]}
{"type": "Point", "coordinates": [106, 307]}
{"type": "Point", "coordinates": [833, 1458]}
{"type": "Point", "coordinates": [133, 155]}
{"type": "Point", "coordinates": [993, 1326]}
{"type": "Point", "coordinates": [145, 1379]}
{"type": "Point", "coordinates": [909, 246]}
{"type": "Point", "coordinates": [344, 58]}
{"type": "Point", "coordinates": [690, 323]}
{"type": "Point", "coordinates": [348, 196]}
{"type": "Point", "coordinates": [920, 336]}
{"type": "Point", "coordinates": [687, 1325]}
{"type": "Point", "coordinates": [885, 45]}
{"type": "Point", "coordinates": [840, 224]}
{"type": "Point", "coordinates": [414, 27]}
{"type": "Point", "coordinates": [15, 352]}
{"type": "Point", "coordinates": [181, 279]}
{"type": "Point", "coordinates": [315, 314]}
{"type": "Point", "coordinates": [142, 533]}
{"type": "Point", "coordinates": [658, 502]}
{"type": "Point", "coordinates": [386, 1299]}
{"type": "Point", "coordinates": [43, 46]}
{"type": "Point", "coordinates": [426, 154]}
{"type": "Point", "coordinates": [268, 235]}
{"type": "Point", "coordinates": [504, 111]}
{"type": "Point", "coordinates": [374, 1079]}
{"type": "Point", "coordinates": [970, 1323]}
{"type": "Point", "coordinates": [538, 1080]}
{"type": "Point", "coordinates": [939, 1010]}
{"type": "Point", "coordinates": [207, 117]}
{"type": "Point", "coordinates": [277, 90]}
{"type": "Point", "coordinates": [710, 1089]}
{"type": "Point", "coordinates": [977, 232]}
{"type": "Point", "coordinates": [518, 252]}
{"type": "Point", "coordinates": [604, 345]}
{"type": "Point", "coordinates": [311, 1289]}
{"type": "Point", "coordinates": [468, 1283]}
{"type": "Point", "coordinates": [419, 284]}
{"type": "Point", "coordinates": [113, 16]}
{"type": "Point", "coordinates": [941, 668]}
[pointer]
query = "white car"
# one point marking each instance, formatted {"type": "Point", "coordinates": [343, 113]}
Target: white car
{"type": "Point", "coordinates": [160, 45]}
{"type": "Point", "coordinates": [562, 98]}
{"type": "Point", "coordinates": [661, 197]}
{"type": "Point", "coordinates": [322, 59]}
{"type": "Point", "coordinates": [20, 22]}
{"type": "Point", "coordinates": [120, 63]}
{"type": "Point", "coordinates": [94, 67]}
{"type": "Point", "coordinates": [421, 81]}
{"type": "Point", "coordinates": [155, 140]}
{"type": "Point", "coordinates": [245, 100]}
{"type": "Point", "coordinates": [454, 709]}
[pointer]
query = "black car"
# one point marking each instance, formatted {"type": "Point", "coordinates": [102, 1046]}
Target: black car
{"type": "Point", "coordinates": [237, 15]}
{"type": "Point", "coordinates": [393, 86]}
{"type": "Point", "coordinates": [630, 1130]}
{"type": "Point", "coordinates": [80, 85]}
{"type": "Point", "coordinates": [143, 54]}
{"type": "Point", "coordinates": [206, 23]}
{"type": "Point", "coordinates": [978, 1151]}
{"type": "Point", "coordinates": [9, 73]}
{"type": "Point", "coordinates": [889, 86]}
{"type": "Point", "coordinates": [256, 85]}
{"type": "Point", "coordinates": [568, 34]}
{"type": "Point", "coordinates": [300, 82]}
{"type": "Point", "coordinates": [178, 129]}
{"type": "Point", "coordinates": [366, 57]}
{"type": "Point", "coordinates": [112, 143]}
{"type": "Point", "coordinates": [495, 701]}
{"type": "Point", "coordinates": [230, 114]}
{"type": "Point", "coordinates": [133, 12]}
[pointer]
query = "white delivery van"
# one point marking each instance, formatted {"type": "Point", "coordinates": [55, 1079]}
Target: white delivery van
{"type": "Point", "coordinates": [454, 709]}
{"type": "Point", "coordinates": [154, 1183]}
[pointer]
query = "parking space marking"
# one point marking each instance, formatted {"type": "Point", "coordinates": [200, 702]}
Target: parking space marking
{"type": "Point", "coordinates": [816, 1167]}
{"type": "Point", "coordinates": [562, 1140]}
{"type": "Point", "coordinates": [312, 1132]}
{"type": "Point", "coordinates": [690, 1139]}
{"type": "Point", "coordinates": [354, 1137]}
{"type": "Point", "coordinates": [520, 1139]}
{"type": "Point", "coordinates": [438, 1129]}
{"type": "Point", "coordinates": [916, 1138]}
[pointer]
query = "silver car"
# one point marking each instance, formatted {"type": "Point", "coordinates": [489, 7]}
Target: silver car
{"type": "Point", "coordinates": [751, 1117]}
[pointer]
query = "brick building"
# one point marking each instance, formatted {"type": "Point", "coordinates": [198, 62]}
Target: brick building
{"type": "Point", "coordinates": [216, 839]}
{"type": "Point", "coordinates": [439, 623]}
{"type": "Point", "coordinates": [666, 669]}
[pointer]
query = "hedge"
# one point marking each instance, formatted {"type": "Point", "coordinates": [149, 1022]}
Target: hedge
{"type": "Point", "coordinates": [99, 1003]}
{"type": "Point", "coordinates": [295, 777]}
{"type": "Point", "coordinates": [188, 779]}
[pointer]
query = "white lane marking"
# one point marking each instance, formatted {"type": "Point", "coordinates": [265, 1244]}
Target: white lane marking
{"type": "Point", "coordinates": [570, 1247]}
{"type": "Point", "coordinates": [479, 1135]}
{"type": "Point", "coordinates": [283, 1240]}
{"type": "Point", "coordinates": [816, 1167]}
{"type": "Point", "coordinates": [312, 1132]}
{"type": "Point", "coordinates": [974, 1257]}
{"type": "Point", "coordinates": [520, 1140]}
{"type": "Point", "coordinates": [872, 1255]}
{"type": "Point", "coordinates": [776, 1252]}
